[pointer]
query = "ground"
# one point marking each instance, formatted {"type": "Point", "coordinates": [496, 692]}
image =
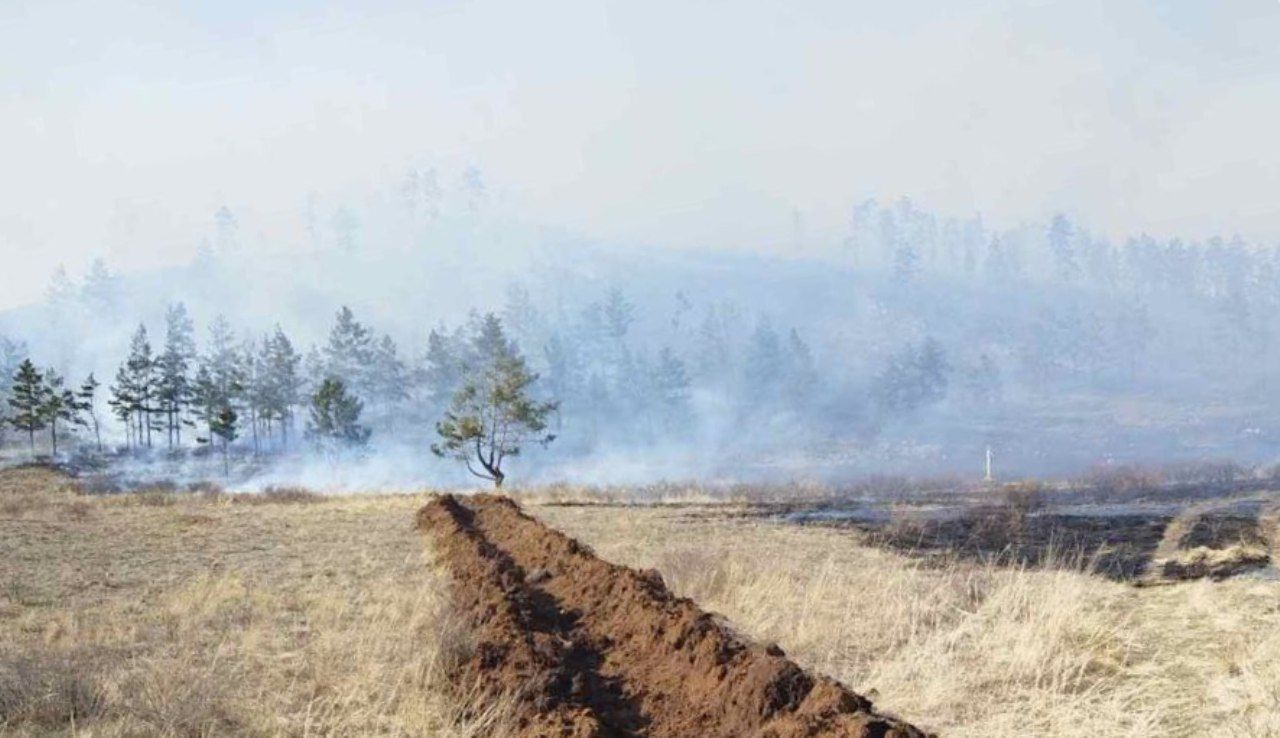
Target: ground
{"type": "Point", "coordinates": [197, 614]}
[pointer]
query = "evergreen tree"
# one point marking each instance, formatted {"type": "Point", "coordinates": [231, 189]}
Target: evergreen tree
{"type": "Point", "coordinates": [27, 397]}
{"type": "Point", "coordinates": [59, 405]}
{"type": "Point", "coordinates": [492, 417]}
{"type": "Point", "coordinates": [388, 376]}
{"type": "Point", "coordinates": [563, 370]}
{"type": "Point", "coordinates": [284, 382]}
{"type": "Point", "coordinates": [141, 383]}
{"type": "Point", "coordinates": [224, 427]}
{"type": "Point", "coordinates": [801, 373]}
{"type": "Point", "coordinates": [206, 399]}
{"type": "Point", "coordinates": [225, 228]}
{"type": "Point", "coordinates": [444, 366]}
{"type": "Point", "coordinates": [62, 290]}
{"type": "Point", "coordinates": [223, 363]}
{"type": "Point", "coordinates": [100, 289]}
{"type": "Point", "coordinates": [334, 424]}
{"type": "Point", "coordinates": [915, 377]}
{"type": "Point", "coordinates": [12, 354]}
{"type": "Point", "coordinates": [123, 402]}
{"type": "Point", "coordinates": [619, 314]}
{"type": "Point", "coordinates": [86, 399]}
{"type": "Point", "coordinates": [256, 388]}
{"type": "Point", "coordinates": [765, 362]}
{"type": "Point", "coordinates": [519, 314]}
{"type": "Point", "coordinates": [173, 369]}
{"type": "Point", "coordinates": [670, 382]}
{"type": "Point", "coordinates": [349, 353]}
{"type": "Point", "coordinates": [712, 360]}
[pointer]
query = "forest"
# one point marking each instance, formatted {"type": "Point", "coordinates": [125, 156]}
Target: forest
{"type": "Point", "coordinates": [908, 342]}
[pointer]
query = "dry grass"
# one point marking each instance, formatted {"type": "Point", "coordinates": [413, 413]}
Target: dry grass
{"type": "Point", "coordinates": [172, 613]}
{"type": "Point", "coordinates": [972, 650]}
{"type": "Point", "coordinates": [190, 615]}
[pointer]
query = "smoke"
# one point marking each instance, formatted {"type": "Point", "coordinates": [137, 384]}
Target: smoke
{"type": "Point", "coordinates": [908, 346]}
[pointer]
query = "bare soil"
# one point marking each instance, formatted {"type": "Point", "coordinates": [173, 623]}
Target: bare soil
{"type": "Point", "coordinates": [590, 649]}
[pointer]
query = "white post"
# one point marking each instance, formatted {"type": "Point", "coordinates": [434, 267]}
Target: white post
{"type": "Point", "coordinates": [989, 478]}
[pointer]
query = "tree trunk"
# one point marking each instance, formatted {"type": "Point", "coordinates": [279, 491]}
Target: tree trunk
{"type": "Point", "coordinates": [53, 437]}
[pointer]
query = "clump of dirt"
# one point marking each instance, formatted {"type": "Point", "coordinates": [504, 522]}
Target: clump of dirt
{"type": "Point", "coordinates": [1212, 563]}
{"type": "Point", "coordinates": [1201, 543]}
{"type": "Point", "coordinates": [589, 649]}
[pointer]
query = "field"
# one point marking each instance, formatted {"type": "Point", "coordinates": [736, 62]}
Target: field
{"type": "Point", "coordinates": [162, 613]}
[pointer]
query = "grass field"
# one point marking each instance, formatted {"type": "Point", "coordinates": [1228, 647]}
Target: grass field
{"type": "Point", "coordinates": [194, 614]}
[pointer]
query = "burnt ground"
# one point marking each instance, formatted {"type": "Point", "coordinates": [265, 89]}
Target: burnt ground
{"type": "Point", "coordinates": [1121, 547]}
{"type": "Point", "coordinates": [586, 648]}
{"type": "Point", "coordinates": [1118, 547]}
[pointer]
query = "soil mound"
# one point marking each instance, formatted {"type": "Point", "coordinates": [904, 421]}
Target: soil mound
{"type": "Point", "coordinates": [590, 649]}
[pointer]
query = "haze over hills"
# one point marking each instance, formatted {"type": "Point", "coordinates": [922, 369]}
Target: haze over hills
{"type": "Point", "coordinates": [907, 347]}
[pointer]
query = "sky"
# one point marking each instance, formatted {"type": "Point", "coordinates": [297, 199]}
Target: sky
{"type": "Point", "coordinates": [125, 125]}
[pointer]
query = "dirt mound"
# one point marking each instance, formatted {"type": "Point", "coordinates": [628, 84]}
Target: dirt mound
{"type": "Point", "coordinates": [592, 649]}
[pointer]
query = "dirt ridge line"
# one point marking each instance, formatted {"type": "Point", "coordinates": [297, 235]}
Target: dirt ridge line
{"type": "Point", "coordinates": [592, 649]}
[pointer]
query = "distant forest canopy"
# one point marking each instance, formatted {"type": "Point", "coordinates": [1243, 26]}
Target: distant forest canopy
{"type": "Point", "coordinates": [910, 345]}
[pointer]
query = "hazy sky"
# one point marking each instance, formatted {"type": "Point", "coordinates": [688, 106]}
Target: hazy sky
{"type": "Point", "coordinates": [124, 125]}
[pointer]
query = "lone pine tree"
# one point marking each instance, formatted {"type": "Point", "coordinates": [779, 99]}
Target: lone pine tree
{"type": "Point", "coordinates": [492, 417]}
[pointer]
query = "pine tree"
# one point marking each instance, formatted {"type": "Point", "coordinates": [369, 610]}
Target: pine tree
{"type": "Point", "coordinates": [59, 405]}
{"type": "Point", "coordinates": [11, 355]}
{"type": "Point", "coordinates": [206, 399]}
{"type": "Point", "coordinates": [86, 402]}
{"type": "Point", "coordinates": [619, 314]}
{"type": "Point", "coordinates": [334, 422]}
{"type": "Point", "coordinates": [62, 290]}
{"type": "Point", "coordinates": [915, 377]}
{"type": "Point", "coordinates": [256, 390]}
{"type": "Point", "coordinates": [173, 368]}
{"type": "Point", "coordinates": [224, 427]}
{"type": "Point", "coordinates": [123, 402]}
{"type": "Point", "coordinates": [349, 354]}
{"type": "Point", "coordinates": [141, 383]}
{"type": "Point", "coordinates": [284, 381]}
{"type": "Point", "coordinates": [388, 376]}
{"type": "Point", "coordinates": [99, 289]}
{"type": "Point", "coordinates": [670, 383]}
{"type": "Point", "coordinates": [492, 417]}
{"type": "Point", "coordinates": [443, 366]}
{"type": "Point", "coordinates": [27, 397]}
{"type": "Point", "coordinates": [563, 371]}
{"type": "Point", "coordinates": [765, 363]}
{"type": "Point", "coordinates": [224, 362]}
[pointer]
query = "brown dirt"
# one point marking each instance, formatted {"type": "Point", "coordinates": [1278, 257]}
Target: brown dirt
{"type": "Point", "coordinates": [589, 649]}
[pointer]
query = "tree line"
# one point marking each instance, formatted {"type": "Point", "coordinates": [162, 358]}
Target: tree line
{"type": "Point", "coordinates": [176, 396]}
